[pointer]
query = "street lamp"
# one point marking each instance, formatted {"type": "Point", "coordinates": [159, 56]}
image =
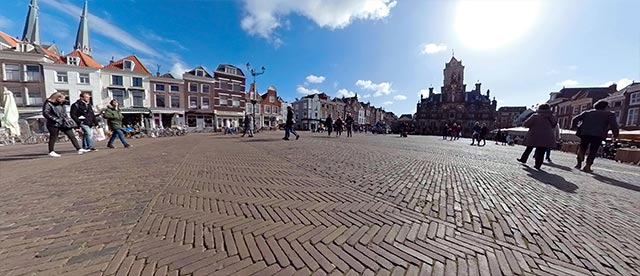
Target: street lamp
{"type": "Point", "coordinates": [255, 73]}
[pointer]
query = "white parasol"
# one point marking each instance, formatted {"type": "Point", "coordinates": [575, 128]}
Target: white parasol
{"type": "Point", "coordinates": [11, 116]}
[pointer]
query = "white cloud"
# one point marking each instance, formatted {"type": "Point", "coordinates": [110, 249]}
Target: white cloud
{"type": "Point", "coordinates": [383, 88]}
{"type": "Point", "coordinates": [399, 97]}
{"type": "Point", "coordinates": [178, 69]}
{"type": "Point", "coordinates": [150, 35]}
{"type": "Point", "coordinates": [620, 84]}
{"type": "Point", "coordinates": [5, 22]}
{"type": "Point", "coordinates": [572, 67]}
{"type": "Point", "coordinates": [103, 27]}
{"type": "Point", "coordinates": [387, 103]}
{"type": "Point", "coordinates": [553, 72]}
{"type": "Point", "coordinates": [263, 17]}
{"type": "Point", "coordinates": [315, 79]}
{"type": "Point", "coordinates": [433, 48]}
{"type": "Point", "coordinates": [568, 83]}
{"type": "Point", "coordinates": [307, 91]}
{"type": "Point", "coordinates": [345, 93]}
{"type": "Point", "coordinates": [366, 96]}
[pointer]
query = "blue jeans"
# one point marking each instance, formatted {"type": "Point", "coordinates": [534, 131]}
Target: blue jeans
{"type": "Point", "coordinates": [87, 136]}
{"type": "Point", "coordinates": [289, 130]}
{"type": "Point", "coordinates": [119, 134]}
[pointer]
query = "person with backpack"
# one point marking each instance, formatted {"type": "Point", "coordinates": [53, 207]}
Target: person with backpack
{"type": "Point", "coordinates": [58, 121]}
{"type": "Point", "coordinates": [82, 113]}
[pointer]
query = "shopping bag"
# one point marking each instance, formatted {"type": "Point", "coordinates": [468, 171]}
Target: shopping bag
{"type": "Point", "coordinates": [98, 134]}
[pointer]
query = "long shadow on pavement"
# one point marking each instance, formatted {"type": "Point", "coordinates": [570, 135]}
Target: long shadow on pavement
{"type": "Point", "coordinates": [564, 168]}
{"type": "Point", "coordinates": [615, 182]}
{"type": "Point", "coordinates": [551, 179]}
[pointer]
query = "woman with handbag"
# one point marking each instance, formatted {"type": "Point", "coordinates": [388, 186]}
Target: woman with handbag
{"type": "Point", "coordinates": [540, 135]}
{"type": "Point", "coordinates": [58, 121]}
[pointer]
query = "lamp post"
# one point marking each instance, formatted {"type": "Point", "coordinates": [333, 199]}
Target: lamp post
{"type": "Point", "coordinates": [254, 73]}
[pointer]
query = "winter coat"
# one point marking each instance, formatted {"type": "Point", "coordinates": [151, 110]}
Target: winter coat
{"type": "Point", "coordinates": [114, 118]}
{"type": "Point", "coordinates": [289, 122]}
{"type": "Point", "coordinates": [541, 130]}
{"type": "Point", "coordinates": [54, 113]}
{"type": "Point", "coordinates": [339, 124]}
{"type": "Point", "coordinates": [329, 123]}
{"type": "Point", "coordinates": [596, 123]}
{"type": "Point", "coordinates": [83, 109]}
{"type": "Point", "coordinates": [349, 121]}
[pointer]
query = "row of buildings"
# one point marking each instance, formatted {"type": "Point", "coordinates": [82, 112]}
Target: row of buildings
{"type": "Point", "coordinates": [198, 99]}
{"type": "Point", "coordinates": [454, 104]}
{"type": "Point", "coordinates": [311, 111]}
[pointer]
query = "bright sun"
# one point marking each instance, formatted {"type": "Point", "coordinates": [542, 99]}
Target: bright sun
{"type": "Point", "coordinates": [489, 24]}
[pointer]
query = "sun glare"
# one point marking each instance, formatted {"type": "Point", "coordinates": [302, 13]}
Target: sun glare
{"type": "Point", "coordinates": [489, 24]}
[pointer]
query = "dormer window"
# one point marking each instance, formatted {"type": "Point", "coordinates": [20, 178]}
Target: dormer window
{"type": "Point", "coordinates": [73, 61]}
{"type": "Point", "coordinates": [230, 70]}
{"type": "Point", "coordinates": [128, 65]}
{"type": "Point", "coordinates": [199, 72]}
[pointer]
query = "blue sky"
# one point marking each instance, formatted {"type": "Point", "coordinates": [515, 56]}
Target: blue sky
{"type": "Point", "coordinates": [380, 49]}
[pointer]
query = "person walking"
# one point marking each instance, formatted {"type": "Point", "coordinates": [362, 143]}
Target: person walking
{"type": "Point", "coordinates": [114, 121]}
{"type": "Point", "coordinates": [329, 124]}
{"type": "Point", "coordinates": [58, 121]}
{"type": "Point", "coordinates": [476, 133]}
{"type": "Point", "coordinates": [288, 128]}
{"type": "Point", "coordinates": [540, 135]}
{"type": "Point", "coordinates": [349, 122]}
{"type": "Point", "coordinates": [445, 131]}
{"type": "Point", "coordinates": [339, 125]}
{"type": "Point", "coordinates": [592, 128]}
{"type": "Point", "coordinates": [82, 113]}
{"type": "Point", "coordinates": [248, 124]}
{"type": "Point", "coordinates": [556, 136]}
{"type": "Point", "coordinates": [484, 131]}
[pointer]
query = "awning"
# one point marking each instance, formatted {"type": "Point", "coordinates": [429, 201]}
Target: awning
{"type": "Point", "coordinates": [135, 110]}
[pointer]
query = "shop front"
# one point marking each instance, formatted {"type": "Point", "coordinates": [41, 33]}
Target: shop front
{"type": "Point", "coordinates": [168, 118]}
{"type": "Point", "coordinates": [137, 116]}
{"type": "Point", "coordinates": [199, 120]}
{"type": "Point", "coordinates": [228, 119]}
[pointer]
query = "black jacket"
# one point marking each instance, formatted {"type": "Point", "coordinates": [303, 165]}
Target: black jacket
{"type": "Point", "coordinates": [82, 109]}
{"type": "Point", "coordinates": [289, 122]}
{"type": "Point", "coordinates": [54, 113]}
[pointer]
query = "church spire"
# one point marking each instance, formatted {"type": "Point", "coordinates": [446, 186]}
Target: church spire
{"type": "Point", "coordinates": [82, 39]}
{"type": "Point", "coordinates": [31, 31]}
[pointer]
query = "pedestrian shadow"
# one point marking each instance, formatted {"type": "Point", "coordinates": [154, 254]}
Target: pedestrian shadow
{"type": "Point", "coordinates": [615, 182]}
{"type": "Point", "coordinates": [255, 140]}
{"type": "Point", "coordinates": [553, 165]}
{"type": "Point", "coordinates": [18, 157]}
{"type": "Point", "coordinates": [551, 179]}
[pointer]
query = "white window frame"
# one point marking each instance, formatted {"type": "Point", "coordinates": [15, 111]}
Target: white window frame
{"type": "Point", "coordinates": [124, 95]}
{"type": "Point", "coordinates": [223, 100]}
{"type": "Point", "coordinates": [189, 89]}
{"type": "Point", "coordinates": [230, 70]}
{"type": "Point", "coordinates": [189, 103]}
{"type": "Point", "coordinates": [38, 99]}
{"type": "Point", "coordinates": [632, 119]}
{"type": "Point", "coordinates": [133, 83]}
{"type": "Point", "coordinates": [202, 103]}
{"type": "Point", "coordinates": [155, 103]}
{"type": "Point", "coordinates": [171, 101]}
{"type": "Point", "coordinates": [235, 102]}
{"type": "Point", "coordinates": [267, 109]}
{"type": "Point", "coordinates": [634, 98]}
{"type": "Point", "coordinates": [62, 75]}
{"type": "Point", "coordinates": [133, 98]}
{"type": "Point", "coordinates": [208, 88]}
{"type": "Point", "coordinates": [113, 78]}
{"type": "Point", "coordinates": [17, 70]}
{"type": "Point", "coordinates": [272, 99]}
{"type": "Point", "coordinates": [128, 65]}
{"type": "Point", "coordinates": [71, 60]}
{"type": "Point", "coordinates": [29, 76]}
{"type": "Point", "coordinates": [155, 87]}
{"type": "Point", "coordinates": [83, 76]}
{"type": "Point", "coordinates": [199, 73]}
{"type": "Point", "coordinates": [171, 88]}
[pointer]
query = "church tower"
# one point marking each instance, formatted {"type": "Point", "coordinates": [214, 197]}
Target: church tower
{"type": "Point", "coordinates": [453, 86]}
{"type": "Point", "coordinates": [31, 31]}
{"type": "Point", "coordinates": [82, 38]}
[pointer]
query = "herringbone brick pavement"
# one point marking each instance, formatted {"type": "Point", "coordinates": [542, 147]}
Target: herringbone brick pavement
{"type": "Point", "coordinates": [368, 205]}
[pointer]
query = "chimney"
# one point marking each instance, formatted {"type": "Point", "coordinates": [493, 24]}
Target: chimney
{"type": "Point", "coordinates": [613, 87]}
{"type": "Point", "coordinates": [430, 91]}
{"type": "Point", "coordinates": [553, 95]}
{"type": "Point", "coordinates": [488, 93]}
{"type": "Point", "coordinates": [478, 84]}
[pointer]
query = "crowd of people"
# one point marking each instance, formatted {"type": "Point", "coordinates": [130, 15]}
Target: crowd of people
{"type": "Point", "coordinates": [81, 118]}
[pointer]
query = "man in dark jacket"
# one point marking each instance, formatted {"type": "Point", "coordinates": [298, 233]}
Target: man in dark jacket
{"type": "Point", "coordinates": [82, 114]}
{"type": "Point", "coordinates": [288, 127]}
{"type": "Point", "coordinates": [349, 121]}
{"type": "Point", "coordinates": [592, 128]}
{"type": "Point", "coordinates": [329, 124]}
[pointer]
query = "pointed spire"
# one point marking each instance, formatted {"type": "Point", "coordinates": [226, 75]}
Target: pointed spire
{"type": "Point", "coordinates": [31, 31]}
{"type": "Point", "coordinates": [82, 39]}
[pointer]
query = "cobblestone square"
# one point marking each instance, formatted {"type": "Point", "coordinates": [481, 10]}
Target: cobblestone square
{"type": "Point", "coordinates": [207, 204]}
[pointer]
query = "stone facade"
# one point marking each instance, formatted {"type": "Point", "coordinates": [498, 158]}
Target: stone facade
{"type": "Point", "coordinates": [454, 104]}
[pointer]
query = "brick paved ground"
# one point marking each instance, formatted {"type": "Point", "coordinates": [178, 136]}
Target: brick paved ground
{"type": "Point", "coordinates": [370, 205]}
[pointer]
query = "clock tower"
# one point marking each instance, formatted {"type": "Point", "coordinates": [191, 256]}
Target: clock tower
{"type": "Point", "coordinates": [453, 86]}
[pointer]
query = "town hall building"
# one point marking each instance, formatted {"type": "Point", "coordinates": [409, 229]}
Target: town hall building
{"type": "Point", "coordinates": [454, 104]}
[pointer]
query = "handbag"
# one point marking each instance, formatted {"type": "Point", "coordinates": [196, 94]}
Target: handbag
{"type": "Point", "coordinates": [69, 123]}
{"type": "Point", "coordinates": [98, 134]}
